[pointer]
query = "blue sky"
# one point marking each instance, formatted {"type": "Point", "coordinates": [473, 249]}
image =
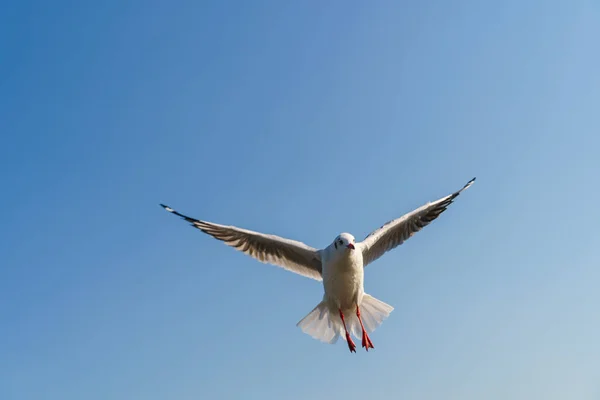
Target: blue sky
{"type": "Point", "coordinates": [303, 119]}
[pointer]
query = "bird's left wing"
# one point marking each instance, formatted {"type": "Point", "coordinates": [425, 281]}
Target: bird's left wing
{"type": "Point", "coordinates": [288, 254]}
{"type": "Point", "coordinates": [395, 232]}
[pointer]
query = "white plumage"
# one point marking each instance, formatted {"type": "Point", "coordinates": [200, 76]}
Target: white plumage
{"type": "Point", "coordinates": [345, 309]}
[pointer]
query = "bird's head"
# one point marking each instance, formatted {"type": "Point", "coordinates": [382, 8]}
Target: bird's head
{"type": "Point", "coordinates": [344, 241]}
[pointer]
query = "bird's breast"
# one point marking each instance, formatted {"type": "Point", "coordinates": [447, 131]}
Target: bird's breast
{"type": "Point", "coordinates": [343, 280]}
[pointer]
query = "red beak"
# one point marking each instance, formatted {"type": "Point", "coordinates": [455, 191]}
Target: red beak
{"type": "Point", "coordinates": [350, 246]}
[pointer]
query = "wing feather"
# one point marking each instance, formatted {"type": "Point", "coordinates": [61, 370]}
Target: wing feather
{"type": "Point", "coordinates": [395, 232]}
{"type": "Point", "coordinates": [288, 254]}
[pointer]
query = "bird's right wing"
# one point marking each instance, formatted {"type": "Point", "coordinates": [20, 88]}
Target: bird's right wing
{"type": "Point", "coordinates": [288, 254]}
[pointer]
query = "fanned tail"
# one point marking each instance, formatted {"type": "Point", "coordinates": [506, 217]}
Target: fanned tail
{"type": "Point", "coordinates": [321, 325]}
{"type": "Point", "coordinates": [327, 327]}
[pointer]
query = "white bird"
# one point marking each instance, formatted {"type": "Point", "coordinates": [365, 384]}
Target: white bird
{"type": "Point", "coordinates": [345, 307]}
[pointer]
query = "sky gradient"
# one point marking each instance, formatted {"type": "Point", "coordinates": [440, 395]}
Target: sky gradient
{"type": "Point", "coordinates": [302, 119]}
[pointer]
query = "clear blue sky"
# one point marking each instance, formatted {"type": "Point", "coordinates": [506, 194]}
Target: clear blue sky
{"type": "Point", "coordinates": [303, 119]}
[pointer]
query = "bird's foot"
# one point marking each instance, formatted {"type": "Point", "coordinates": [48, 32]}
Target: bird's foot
{"type": "Point", "coordinates": [366, 341]}
{"type": "Point", "coordinates": [351, 344]}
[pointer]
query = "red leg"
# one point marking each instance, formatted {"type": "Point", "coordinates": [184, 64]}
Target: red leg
{"type": "Point", "coordinates": [351, 344]}
{"type": "Point", "coordinates": [366, 341]}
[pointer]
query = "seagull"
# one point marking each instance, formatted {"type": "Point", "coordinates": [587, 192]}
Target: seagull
{"type": "Point", "coordinates": [345, 307]}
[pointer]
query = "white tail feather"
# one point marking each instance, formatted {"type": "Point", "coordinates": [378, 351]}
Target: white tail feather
{"type": "Point", "coordinates": [326, 326]}
{"type": "Point", "coordinates": [319, 324]}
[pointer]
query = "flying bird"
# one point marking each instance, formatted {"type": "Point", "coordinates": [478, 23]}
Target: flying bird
{"type": "Point", "coordinates": [346, 308]}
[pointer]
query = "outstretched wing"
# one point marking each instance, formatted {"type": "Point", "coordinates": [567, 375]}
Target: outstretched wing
{"type": "Point", "coordinates": [395, 232]}
{"type": "Point", "coordinates": [289, 254]}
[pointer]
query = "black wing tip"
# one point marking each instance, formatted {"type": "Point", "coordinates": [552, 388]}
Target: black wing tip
{"type": "Point", "coordinates": [166, 207]}
{"type": "Point", "coordinates": [455, 194]}
{"type": "Point", "coordinates": [469, 183]}
{"type": "Point", "coordinates": [169, 209]}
